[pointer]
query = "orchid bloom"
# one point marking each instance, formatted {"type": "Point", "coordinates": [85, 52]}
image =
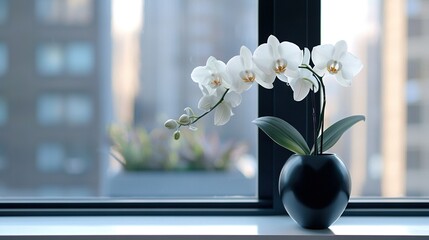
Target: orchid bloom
{"type": "Point", "coordinates": [336, 61]}
{"type": "Point", "coordinates": [278, 59]}
{"type": "Point", "coordinates": [244, 72]}
{"type": "Point", "coordinates": [223, 111]}
{"type": "Point", "coordinates": [212, 76]}
{"type": "Point", "coordinates": [302, 85]}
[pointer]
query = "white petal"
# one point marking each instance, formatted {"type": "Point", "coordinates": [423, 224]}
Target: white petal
{"type": "Point", "coordinates": [321, 55]}
{"type": "Point", "coordinates": [291, 53]}
{"type": "Point", "coordinates": [342, 81]}
{"type": "Point", "coordinates": [339, 50]}
{"type": "Point", "coordinates": [206, 102]}
{"type": "Point", "coordinates": [282, 77]}
{"type": "Point", "coordinates": [233, 98]}
{"type": "Point", "coordinates": [308, 76]}
{"type": "Point", "coordinates": [264, 84]}
{"type": "Point", "coordinates": [226, 79]}
{"type": "Point", "coordinates": [306, 58]}
{"type": "Point", "coordinates": [200, 74]}
{"type": "Point", "coordinates": [222, 114]}
{"type": "Point", "coordinates": [320, 71]}
{"type": "Point", "coordinates": [351, 66]}
{"type": "Point", "coordinates": [292, 72]}
{"type": "Point", "coordinates": [273, 44]}
{"type": "Point", "coordinates": [300, 88]}
{"type": "Point", "coordinates": [214, 65]}
{"type": "Point", "coordinates": [204, 89]}
{"type": "Point", "coordinates": [264, 59]}
{"type": "Point", "coordinates": [264, 80]}
{"type": "Point", "coordinates": [234, 67]}
{"type": "Point", "coordinates": [246, 57]}
{"type": "Point", "coordinates": [211, 61]}
{"type": "Point", "coordinates": [220, 66]}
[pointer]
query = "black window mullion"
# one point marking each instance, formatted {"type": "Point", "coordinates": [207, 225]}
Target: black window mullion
{"type": "Point", "coordinates": [297, 22]}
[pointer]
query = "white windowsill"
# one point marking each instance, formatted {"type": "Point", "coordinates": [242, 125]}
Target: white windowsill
{"type": "Point", "coordinates": [220, 227]}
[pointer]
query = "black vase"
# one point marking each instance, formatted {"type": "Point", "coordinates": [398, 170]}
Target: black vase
{"type": "Point", "coordinates": [314, 190]}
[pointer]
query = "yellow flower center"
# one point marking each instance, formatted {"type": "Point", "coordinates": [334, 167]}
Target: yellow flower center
{"type": "Point", "coordinates": [247, 76]}
{"type": "Point", "coordinates": [216, 81]}
{"type": "Point", "coordinates": [334, 67]}
{"type": "Point", "coordinates": [280, 66]}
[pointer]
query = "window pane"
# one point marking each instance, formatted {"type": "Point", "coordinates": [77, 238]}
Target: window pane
{"type": "Point", "coordinates": [64, 11]}
{"type": "Point", "coordinates": [50, 109]}
{"type": "Point", "coordinates": [4, 10]}
{"type": "Point", "coordinates": [386, 153]}
{"type": "Point", "coordinates": [50, 59]}
{"type": "Point", "coordinates": [78, 109]}
{"type": "Point", "coordinates": [3, 58]}
{"type": "Point", "coordinates": [176, 37]}
{"type": "Point", "coordinates": [80, 58]}
{"type": "Point", "coordinates": [121, 68]}
{"type": "Point", "coordinates": [50, 157]}
{"type": "Point", "coordinates": [3, 112]}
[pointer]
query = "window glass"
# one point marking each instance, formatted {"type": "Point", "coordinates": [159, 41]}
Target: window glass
{"type": "Point", "coordinates": [50, 157]}
{"type": "Point", "coordinates": [50, 109]}
{"type": "Point", "coordinates": [78, 109]}
{"type": "Point", "coordinates": [3, 161]}
{"type": "Point", "coordinates": [64, 11]}
{"type": "Point", "coordinates": [104, 136]}
{"type": "Point", "coordinates": [4, 9]}
{"type": "Point", "coordinates": [54, 59]}
{"type": "Point", "coordinates": [75, 109]}
{"type": "Point", "coordinates": [3, 112]}
{"type": "Point", "coordinates": [50, 59]}
{"type": "Point", "coordinates": [3, 59]}
{"type": "Point", "coordinates": [386, 153]}
{"type": "Point", "coordinates": [173, 38]}
{"type": "Point", "coordinates": [79, 58]}
{"type": "Point", "coordinates": [77, 161]}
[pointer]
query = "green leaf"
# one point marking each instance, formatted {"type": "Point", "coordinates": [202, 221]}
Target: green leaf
{"type": "Point", "coordinates": [283, 134]}
{"type": "Point", "coordinates": [332, 134]}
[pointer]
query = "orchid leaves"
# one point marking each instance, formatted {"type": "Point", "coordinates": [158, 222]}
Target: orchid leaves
{"type": "Point", "coordinates": [284, 134]}
{"type": "Point", "coordinates": [332, 134]}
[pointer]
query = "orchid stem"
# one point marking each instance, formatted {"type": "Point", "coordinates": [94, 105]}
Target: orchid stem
{"type": "Point", "coordinates": [314, 120]}
{"type": "Point", "coordinates": [320, 127]}
{"type": "Point", "coordinates": [195, 119]}
{"type": "Point", "coordinates": [322, 115]}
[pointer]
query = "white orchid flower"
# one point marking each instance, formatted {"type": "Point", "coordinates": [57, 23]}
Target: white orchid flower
{"type": "Point", "coordinates": [223, 111]}
{"type": "Point", "coordinates": [212, 76]}
{"type": "Point", "coordinates": [278, 59]}
{"type": "Point", "coordinates": [243, 72]}
{"type": "Point", "coordinates": [336, 61]}
{"type": "Point", "coordinates": [302, 85]}
{"type": "Point", "coordinates": [208, 100]}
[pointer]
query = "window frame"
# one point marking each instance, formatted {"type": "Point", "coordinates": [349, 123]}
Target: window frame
{"type": "Point", "coordinates": [295, 21]}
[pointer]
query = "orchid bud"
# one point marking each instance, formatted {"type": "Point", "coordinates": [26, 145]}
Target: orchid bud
{"type": "Point", "coordinates": [176, 135]}
{"type": "Point", "coordinates": [184, 119]}
{"type": "Point", "coordinates": [171, 124]}
{"type": "Point", "coordinates": [189, 111]}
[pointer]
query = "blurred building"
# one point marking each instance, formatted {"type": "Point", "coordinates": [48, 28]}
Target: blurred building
{"type": "Point", "coordinates": [417, 82]}
{"type": "Point", "coordinates": [178, 36]}
{"type": "Point", "coordinates": [54, 81]}
{"type": "Point", "coordinates": [386, 154]}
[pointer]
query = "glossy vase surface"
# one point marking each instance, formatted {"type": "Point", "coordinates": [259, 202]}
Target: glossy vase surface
{"type": "Point", "coordinates": [314, 190]}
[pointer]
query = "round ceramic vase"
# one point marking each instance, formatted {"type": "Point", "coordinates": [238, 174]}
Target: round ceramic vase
{"type": "Point", "coordinates": [314, 190]}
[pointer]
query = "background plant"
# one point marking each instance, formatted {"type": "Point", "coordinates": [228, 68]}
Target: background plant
{"type": "Point", "coordinates": [136, 149]}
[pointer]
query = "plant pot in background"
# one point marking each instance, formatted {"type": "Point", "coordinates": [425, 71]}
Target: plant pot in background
{"type": "Point", "coordinates": [314, 190]}
{"type": "Point", "coordinates": [181, 184]}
